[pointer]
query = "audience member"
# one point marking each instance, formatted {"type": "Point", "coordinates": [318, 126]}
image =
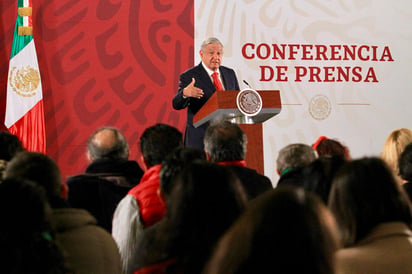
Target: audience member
{"type": "Point", "coordinates": [225, 144]}
{"type": "Point", "coordinates": [142, 206]}
{"type": "Point", "coordinates": [171, 168]}
{"type": "Point", "coordinates": [89, 248]}
{"type": "Point", "coordinates": [285, 230]}
{"type": "Point", "coordinates": [27, 243]}
{"type": "Point", "coordinates": [331, 147]}
{"type": "Point", "coordinates": [375, 218]}
{"type": "Point", "coordinates": [108, 178]}
{"type": "Point", "coordinates": [174, 163]}
{"type": "Point", "coordinates": [291, 161]}
{"type": "Point", "coordinates": [318, 175]}
{"type": "Point", "coordinates": [9, 146]}
{"type": "Point", "coordinates": [405, 169]}
{"type": "Point", "coordinates": [205, 200]}
{"type": "Point", "coordinates": [394, 145]}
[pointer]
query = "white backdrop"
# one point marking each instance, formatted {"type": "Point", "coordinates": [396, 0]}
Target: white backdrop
{"type": "Point", "coordinates": [357, 113]}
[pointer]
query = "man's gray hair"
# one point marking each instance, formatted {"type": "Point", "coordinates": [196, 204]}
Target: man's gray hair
{"type": "Point", "coordinates": [225, 141]}
{"type": "Point", "coordinates": [210, 40]}
{"type": "Point", "coordinates": [118, 150]}
{"type": "Point", "coordinates": [294, 156]}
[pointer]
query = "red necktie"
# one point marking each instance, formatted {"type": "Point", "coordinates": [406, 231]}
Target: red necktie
{"type": "Point", "coordinates": [216, 81]}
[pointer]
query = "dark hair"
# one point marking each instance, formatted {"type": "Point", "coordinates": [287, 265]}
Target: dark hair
{"type": "Point", "coordinates": [38, 168]}
{"type": "Point", "coordinates": [158, 141]}
{"type": "Point", "coordinates": [405, 163]}
{"type": "Point", "coordinates": [27, 242]}
{"type": "Point", "coordinates": [330, 147]}
{"type": "Point", "coordinates": [118, 149]}
{"type": "Point", "coordinates": [10, 145]}
{"type": "Point", "coordinates": [225, 141]}
{"type": "Point", "coordinates": [365, 194]}
{"type": "Point", "coordinates": [285, 229]}
{"type": "Point", "coordinates": [318, 175]}
{"type": "Point", "coordinates": [175, 163]}
{"type": "Point", "coordinates": [205, 201]}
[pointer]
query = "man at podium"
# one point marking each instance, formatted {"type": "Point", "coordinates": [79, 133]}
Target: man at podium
{"type": "Point", "coordinates": [197, 84]}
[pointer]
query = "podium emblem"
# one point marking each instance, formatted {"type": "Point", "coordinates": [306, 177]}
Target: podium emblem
{"type": "Point", "coordinates": [249, 102]}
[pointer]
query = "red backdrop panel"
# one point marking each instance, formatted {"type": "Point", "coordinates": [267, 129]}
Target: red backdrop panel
{"type": "Point", "coordinates": [103, 62]}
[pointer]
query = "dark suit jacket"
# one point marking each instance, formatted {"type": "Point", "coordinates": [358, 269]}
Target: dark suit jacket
{"type": "Point", "coordinates": [101, 188]}
{"type": "Point", "coordinates": [254, 183]}
{"type": "Point", "coordinates": [194, 136]}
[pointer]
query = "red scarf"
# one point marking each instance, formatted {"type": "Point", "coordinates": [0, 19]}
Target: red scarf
{"type": "Point", "coordinates": [233, 163]}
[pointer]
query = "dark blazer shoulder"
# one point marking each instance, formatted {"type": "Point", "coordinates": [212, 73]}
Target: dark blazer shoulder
{"type": "Point", "coordinates": [198, 69]}
{"type": "Point", "coordinates": [253, 182]}
{"type": "Point", "coordinates": [226, 69]}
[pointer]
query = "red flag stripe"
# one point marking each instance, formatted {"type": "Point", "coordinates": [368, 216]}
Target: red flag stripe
{"type": "Point", "coordinates": [30, 17]}
{"type": "Point", "coordinates": [31, 124]}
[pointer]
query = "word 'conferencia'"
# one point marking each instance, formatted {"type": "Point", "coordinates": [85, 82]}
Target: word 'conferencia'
{"type": "Point", "coordinates": [318, 53]}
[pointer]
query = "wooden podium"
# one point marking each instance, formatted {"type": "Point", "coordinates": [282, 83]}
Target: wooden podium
{"type": "Point", "coordinates": [222, 104]}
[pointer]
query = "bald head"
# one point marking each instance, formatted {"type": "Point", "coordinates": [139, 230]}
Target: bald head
{"type": "Point", "coordinates": [107, 142]}
{"type": "Point", "coordinates": [105, 138]}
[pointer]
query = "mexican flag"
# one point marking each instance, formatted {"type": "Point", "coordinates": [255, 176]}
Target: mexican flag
{"type": "Point", "coordinates": [24, 106]}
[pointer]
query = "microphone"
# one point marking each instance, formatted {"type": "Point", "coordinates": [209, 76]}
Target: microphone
{"type": "Point", "coordinates": [244, 81]}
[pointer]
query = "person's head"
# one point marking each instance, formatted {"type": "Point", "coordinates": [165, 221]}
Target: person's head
{"type": "Point", "coordinates": [318, 175]}
{"type": "Point", "coordinates": [40, 169]}
{"type": "Point", "coordinates": [285, 230]}
{"type": "Point", "coordinates": [107, 142]}
{"type": "Point", "coordinates": [211, 53]}
{"type": "Point", "coordinates": [405, 163]}
{"type": "Point", "coordinates": [225, 141]}
{"type": "Point", "coordinates": [10, 145]}
{"type": "Point", "coordinates": [365, 194]}
{"type": "Point", "coordinates": [330, 147]}
{"type": "Point", "coordinates": [393, 147]}
{"type": "Point", "coordinates": [205, 201]}
{"type": "Point", "coordinates": [294, 156]}
{"type": "Point", "coordinates": [174, 164]}
{"type": "Point", "coordinates": [23, 208]}
{"type": "Point", "coordinates": [157, 142]}
{"type": "Point", "coordinates": [26, 235]}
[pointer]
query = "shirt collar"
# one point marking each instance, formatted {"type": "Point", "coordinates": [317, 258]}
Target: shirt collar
{"type": "Point", "coordinates": [208, 70]}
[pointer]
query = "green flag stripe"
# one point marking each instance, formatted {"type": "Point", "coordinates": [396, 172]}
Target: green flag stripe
{"type": "Point", "coordinates": [19, 42]}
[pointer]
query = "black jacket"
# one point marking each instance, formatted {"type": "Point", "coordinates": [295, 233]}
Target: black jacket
{"type": "Point", "coordinates": [101, 188]}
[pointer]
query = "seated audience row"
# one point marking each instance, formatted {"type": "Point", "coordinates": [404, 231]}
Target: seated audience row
{"type": "Point", "coordinates": [205, 200]}
{"type": "Point", "coordinates": [285, 230]}
{"type": "Point", "coordinates": [375, 219]}
{"type": "Point", "coordinates": [27, 239]}
{"type": "Point", "coordinates": [186, 215]}
{"type": "Point", "coordinates": [88, 248]}
{"type": "Point", "coordinates": [142, 206]}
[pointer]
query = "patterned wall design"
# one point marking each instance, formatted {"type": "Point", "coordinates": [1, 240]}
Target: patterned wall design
{"type": "Point", "coordinates": [103, 62]}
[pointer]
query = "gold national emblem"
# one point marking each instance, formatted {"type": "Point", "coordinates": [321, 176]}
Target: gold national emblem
{"type": "Point", "coordinates": [24, 80]}
{"type": "Point", "coordinates": [249, 102]}
{"type": "Point", "coordinates": [320, 107]}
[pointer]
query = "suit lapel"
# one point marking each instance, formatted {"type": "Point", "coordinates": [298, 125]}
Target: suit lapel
{"type": "Point", "coordinates": [204, 78]}
{"type": "Point", "coordinates": [223, 76]}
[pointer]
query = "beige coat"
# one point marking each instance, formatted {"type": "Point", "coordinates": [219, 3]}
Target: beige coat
{"type": "Point", "coordinates": [387, 249]}
{"type": "Point", "coordinates": [88, 247]}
